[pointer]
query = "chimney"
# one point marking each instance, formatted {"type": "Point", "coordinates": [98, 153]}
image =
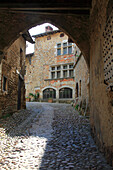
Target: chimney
{"type": "Point", "coordinates": [48, 29]}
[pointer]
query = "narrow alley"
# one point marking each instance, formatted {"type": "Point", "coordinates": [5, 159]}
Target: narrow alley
{"type": "Point", "coordinates": [47, 137]}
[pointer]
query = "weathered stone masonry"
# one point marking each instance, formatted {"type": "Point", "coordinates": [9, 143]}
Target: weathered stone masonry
{"type": "Point", "coordinates": [86, 29]}
{"type": "Point", "coordinates": [101, 97]}
{"type": "Point", "coordinates": [82, 85]}
{"type": "Point", "coordinates": [39, 66]}
{"type": "Point", "coordinates": [46, 63]}
{"type": "Point", "coordinates": [12, 70]}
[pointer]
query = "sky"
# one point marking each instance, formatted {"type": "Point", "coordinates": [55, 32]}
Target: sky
{"type": "Point", "coordinates": [34, 31]}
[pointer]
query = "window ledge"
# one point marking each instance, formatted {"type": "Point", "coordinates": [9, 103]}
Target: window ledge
{"type": "Point", "coordinates": [59, 78]}
{"type": "Point", "coordinates": [64, 54]}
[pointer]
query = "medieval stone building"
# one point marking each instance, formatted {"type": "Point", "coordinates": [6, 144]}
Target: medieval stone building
{"type": "Point", "coordinates": [50, 70]}
{"type": "Point", "coordinates": [90, 25]}
{"type": "Point", "coordinates": [12, 70]}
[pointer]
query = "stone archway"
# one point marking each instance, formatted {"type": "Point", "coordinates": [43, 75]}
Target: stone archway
{"type": "Point", "coordinates": [14, 21]}
{"type": "Point", "coordinates": [85, 26]}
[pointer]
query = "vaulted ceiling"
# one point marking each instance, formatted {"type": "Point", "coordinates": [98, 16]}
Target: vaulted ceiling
{"type": "Point", "coordinates": [71, 16]}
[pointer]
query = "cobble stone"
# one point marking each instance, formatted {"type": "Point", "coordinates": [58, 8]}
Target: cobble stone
{"type": "Point", "coordinates": [47, 137]}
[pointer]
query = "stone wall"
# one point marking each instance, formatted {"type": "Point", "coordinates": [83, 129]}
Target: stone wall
{"type": "Point", "coordinates": [38, 71]}
{"type": "Point", "coordinates": [101, 98]}
{"type": "Point", "coordinates": [82, 79]}
{"type": "Point", "coordinates": [10, 69]}
{"type": "Point", "coordinates": [29, 75]}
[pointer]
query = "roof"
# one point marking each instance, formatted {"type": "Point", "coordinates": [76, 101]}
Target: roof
{"type": "Point", "coordinates": [46, 33]}
{"type": "Point", "coordinates": [26, 35]}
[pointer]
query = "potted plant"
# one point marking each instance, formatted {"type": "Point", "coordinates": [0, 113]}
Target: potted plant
{"type": "Point", "coordinates": [50, 100]}
{"type": "Point", "coordinates": [35, 96]}
{"type": "Point", "coordinates": [28, 99]}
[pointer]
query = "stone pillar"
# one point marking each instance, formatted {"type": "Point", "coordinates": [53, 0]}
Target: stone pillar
{"type": "Point", "coordinates": [61, 71]}
{"type": "Point", "coordinates": [67, 70]}
{"type": "Point", "coordinates": [73, 93]}
{"type": "Point", "coordinates": [55, 72]}
{"type": "Point", "coordinates": [57, 95]}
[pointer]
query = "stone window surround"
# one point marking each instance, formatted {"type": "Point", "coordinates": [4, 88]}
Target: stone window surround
{"type": "Point", "coordinates": [64, 41]}
{"type": "Point", "coordinates": [61, 70]}
{"type": "Point", "coordinates": [49, 92]}
{"type": "Point", "coordinates": [65, 93]}
{"type": "Point", "coordinates": [57, 92]}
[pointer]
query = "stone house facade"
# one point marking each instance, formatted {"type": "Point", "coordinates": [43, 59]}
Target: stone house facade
{"type": "Point", "coordinates": [82, 85]}
{"type": "Point", "coordinates": [12, 70]}
{"type": "Point", "coordinates": [50, 70]}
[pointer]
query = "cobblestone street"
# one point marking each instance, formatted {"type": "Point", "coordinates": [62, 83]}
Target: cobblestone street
{"type": "Point", "coordinates": [47, 137]}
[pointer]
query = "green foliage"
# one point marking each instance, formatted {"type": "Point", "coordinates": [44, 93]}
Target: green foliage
{"type": "Point", "coordinates": [76, 107]}
{"type": "Point", "coordinates": [27, 97]}
{"type": "Point", "coordinates": [76, 55]}
{"type": "Point", "coordinates": [35, 96]}
{"type": "Point", "coordinates": [7, 115]}
{"type": "Point", "coordinates": [31, 94]}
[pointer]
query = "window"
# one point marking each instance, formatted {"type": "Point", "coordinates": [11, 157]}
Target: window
{"type": "Point", "coordinates": [65, 67]}
{"type": "Point", "coordinates": [49, 93]}
{"type": "Point", "coordinates": [80, 87]}
{"type": "Point", "coordinates": [69, 44]}
{"type": "Point", "coordinates": [62, 71]}
{"type": "Point", "coordinates": [59, 49]}
{"type": "Point", "coordinates": [64, 48]}
{"type": "Point", "coordinates": [49, 38]}
{"type": "Point", "coordinates": [58, 67]}
{"type": "Point", "coordinates": [62, 35]}
{"type": "Point", "coordinates": [76, 89]}
{"type": "Point", "coordinates": [67, 48]}
{"type": "Point", "coordinates": [70, 50]}
{"type": "Point", "coordinates": [65, 73]}
{"type": "Point", "coordinates": [4, 83]}
{"type": "Point", "coordinates": [53, 75]}
{"type": "Point", "coordinates": [70, 73]}
{"type": "Point", "coordinates": [71, 66]}
{"type": "Point", "coordinates": [52, 68]}
{"type": "Point", "coordinates": [65, 93]}
{"type": "Point", "coordinates": [58, 74]}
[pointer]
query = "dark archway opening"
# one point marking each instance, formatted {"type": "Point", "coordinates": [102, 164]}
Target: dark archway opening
{"type": "Point", "coordinates": [49, 93]}
{"type": "Point", "coordinates": [65, 93]}
{"type": "Point", "coordinates": [77, 90]}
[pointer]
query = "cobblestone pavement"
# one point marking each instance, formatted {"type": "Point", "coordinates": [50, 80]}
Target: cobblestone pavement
{"type": "Point", "coordinates": [47, 137]}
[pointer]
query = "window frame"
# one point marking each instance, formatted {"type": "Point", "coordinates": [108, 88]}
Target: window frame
{"type": "Point", "coordinates": [65, 93]}
{"type": "Point", "coordinates": [58, 48]}
{"type": "Point", "coordinates": [49, 93]}
{"type": "Point", "coordinates": [64, 70]}
{"type": "Point", "coordinates": [64, 48]}
{"type": "Point", "coordinates": [5, 85]}
{"type": "Point", "coordinates": [67, 46]}
{"type": "Point", "coordinates": [59, 74]}
{"type": "Point", "coordinates": [53, 77]}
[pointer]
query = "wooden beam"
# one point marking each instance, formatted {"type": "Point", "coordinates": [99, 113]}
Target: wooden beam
{"type": "Point", "coordinates": [61, 4]}
{"type": "Point", "coordinates": [53, 12]}
{"type": "Point", "coordinates": [53, 8]}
